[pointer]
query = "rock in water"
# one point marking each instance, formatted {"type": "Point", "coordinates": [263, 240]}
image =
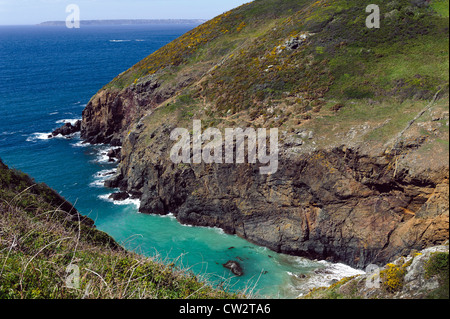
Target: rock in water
{"type": "Point", "coordinates": [235, 268]}
{"type": "Point", "coordinates": [119, 196]}
{"type": "Point", "coordinates": [114, 154]}
{"type": "Point", "coordinates": [67, 129]}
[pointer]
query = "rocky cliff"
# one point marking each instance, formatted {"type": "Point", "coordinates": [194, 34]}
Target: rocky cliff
{"type": "Point", "coordinates": [362, 115]}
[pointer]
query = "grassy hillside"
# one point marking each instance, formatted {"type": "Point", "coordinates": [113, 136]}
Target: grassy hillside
{"type": "Point", "coordinates": [41, 235]}
{"type": "Point", "coordinates": [302, 65]}
{"type": "Point", "coordinates": [338, 63]}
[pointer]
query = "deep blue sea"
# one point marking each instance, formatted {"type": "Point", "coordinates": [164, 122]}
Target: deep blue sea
{"type": "Point", "coordinates": [47, 76]}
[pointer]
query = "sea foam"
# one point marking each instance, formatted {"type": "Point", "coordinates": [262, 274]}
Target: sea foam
{"type": "Point", "coordinates": [129, 201]}
{"type": "Point", "coordinates": [71, 121]}
{"type": "Point", "coordinates": [100, 178]}
{"type": "Point", "coordinates": [38, 137]}
{"type": "Point", "coordinates": [102, 155]}
{"type": "Point", "coordinates": [323, 276]}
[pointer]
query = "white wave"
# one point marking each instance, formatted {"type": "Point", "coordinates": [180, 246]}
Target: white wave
{"type": "Point", "coordinates": [97, 184]}
{"type": "Point", "coordinates": [102, 156]}
{"type": "Point", "coordinates": [170, 216]}
{"type": "Point", "coordinates": [104, 174]}
{"type": "Point", "coordinates": [129, 201]}
{"type": "Point", "coordinates": [341, 270]}
{"type": "Point", "coordinates": [79, 104]}
{"type": "Point", "coordinates": [219, 231]}
{"type": "Point", "coordinates": [100, 178]}
{"type": "Point", "coordinates": [215, 229]}
{"type": "Point", "coordinates": [139, 40]}
{"type": "Point", "coordinates": [53, 113]}
{"type": "Point", "coordinates": [8, 133]}
{"type": "Point", "coordinates": [47, 136]}
{"type": "Point", "coordinates": [71, 136]}
{"type": "Point", "coordinates": [106, 198]}
{"type": "Point", "coordinates": [80, 144]}
{"type": "Point", "coordinates": [38, 137]}
{"type": "Point", "coordinates": [323, 276]}
{"type": "Point", "coordinates": [71, 121]}
{"type": "Point", "coordinates": [119, 40]}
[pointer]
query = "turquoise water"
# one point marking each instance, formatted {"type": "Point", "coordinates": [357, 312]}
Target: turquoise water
{"type": "Point", "coordinates": [47, 75]}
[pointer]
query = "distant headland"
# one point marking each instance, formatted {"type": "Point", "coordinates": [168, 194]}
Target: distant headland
{"type": "Point", "coordinates": [127, 22]}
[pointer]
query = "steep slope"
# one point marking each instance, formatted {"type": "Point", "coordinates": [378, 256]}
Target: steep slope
{"type": "Point", "coordinates": [362, 115]}
{"type": "Point", "coordinates": [41, 235]}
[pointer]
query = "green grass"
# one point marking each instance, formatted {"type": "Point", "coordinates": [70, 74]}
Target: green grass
{"type": "Point", "coordinates": [386, 119]}
{"type": "Point", "coordinates": [392, 69]}
{"type": "Point", "coordinates": [441, 7]}
{"type": "Point", "coordinates": [438, 266]}
{"type": "Point", "coordinates": [407, 60]}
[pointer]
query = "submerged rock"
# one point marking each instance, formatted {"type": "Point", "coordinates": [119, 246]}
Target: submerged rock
{"type": "Point", "coordinates": [235, 268]}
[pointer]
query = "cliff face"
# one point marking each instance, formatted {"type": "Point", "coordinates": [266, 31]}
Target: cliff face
{"type": "Point", "coordinates": [111, 112]}
{"type": "Point", "coordinates": [363, 166]}
{"type": "Point", "coordinates": [335, 204]}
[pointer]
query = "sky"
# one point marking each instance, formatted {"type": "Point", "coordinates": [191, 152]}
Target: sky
{"type": "Point", "coordinates": [22, 12]}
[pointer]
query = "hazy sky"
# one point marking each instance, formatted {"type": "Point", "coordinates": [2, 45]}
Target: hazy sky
{"type": "Point", "coordinates": [36, 11]}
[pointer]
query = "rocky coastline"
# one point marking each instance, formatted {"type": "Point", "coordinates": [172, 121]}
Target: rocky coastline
{"type": "Point", "coordinates": [344, 192]}
{"type": "Point", "coordinates": [337, 205]}
{"type": "Point", "coordinates": [341, 204]}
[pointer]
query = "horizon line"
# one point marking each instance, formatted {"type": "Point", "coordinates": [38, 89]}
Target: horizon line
{"type": "Point", "coordinates": [62, 22]}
